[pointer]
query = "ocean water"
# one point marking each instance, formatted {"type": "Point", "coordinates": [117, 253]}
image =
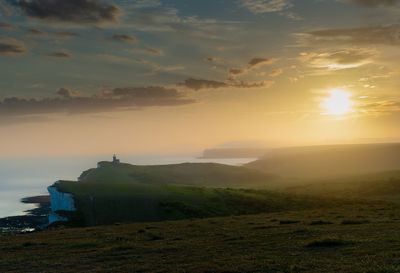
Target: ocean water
{"type": "Point", "coordinates": [24, 177]}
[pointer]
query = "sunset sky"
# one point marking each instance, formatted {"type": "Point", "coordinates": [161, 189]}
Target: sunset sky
{"type": "Point", "coordinates": [178, 76]}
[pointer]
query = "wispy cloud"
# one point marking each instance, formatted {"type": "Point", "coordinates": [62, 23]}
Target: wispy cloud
{"type": "Point", "coordinates": [148, 51]}
{"type": "Point", "coordinates": [265, 6]}
{"type": "Point", "coordinates": [198, 84]}
{"type": "Point", "coordinates": [251, 65]}
{"type": "Point", "coordinates": [124, 38]}
{"type": "Point", "coordinates": [371, 35]}
{"type": "Point", "coordinates": [60, 54]}
{"type": "Point", "coordinates": [378, 107]}
{"type": "Point", "coordinates": [374, 3]}
{"type": "Point", "coordinates": [10, 47]}
{"type": "Point", "coordinates": [338, 59]}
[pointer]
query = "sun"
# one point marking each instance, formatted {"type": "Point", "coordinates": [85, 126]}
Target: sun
{"type": "Point", "coordinates": [337, 103]}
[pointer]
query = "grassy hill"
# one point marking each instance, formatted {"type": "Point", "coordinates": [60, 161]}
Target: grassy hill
{"type": "Point", "coordinates": [127, 193]}
{"type": "Point", "coordinates": [189, 174]}
{"type": "Point", "coordinates": [330, 160]}
{"type": "Point", "coordinates": [376, 186]}
{"type": "Point", "coordinates": [107, 203]}
{"type": "Point", "coordinates": [348, 239]}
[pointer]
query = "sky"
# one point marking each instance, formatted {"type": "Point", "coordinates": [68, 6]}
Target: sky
{"type": "Point", "coordinates": [86, 77]}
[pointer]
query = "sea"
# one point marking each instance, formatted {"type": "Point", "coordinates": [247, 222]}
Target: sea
{"type": "Point", "coordinates": [25, 177]}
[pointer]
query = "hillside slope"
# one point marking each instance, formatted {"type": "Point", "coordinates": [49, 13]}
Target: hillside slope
{"type": "Point", "coordinates": [330, 161]}
{"type": "Point", "coordinates": [126, 193]}
{"type": "Point", "coordinates": [108, 203]}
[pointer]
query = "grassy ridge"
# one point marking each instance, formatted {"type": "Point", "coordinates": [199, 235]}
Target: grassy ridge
{"type": "Point", "coordinates": [105, 203]}
{"type": "Point", "coordinates": [192, 174]}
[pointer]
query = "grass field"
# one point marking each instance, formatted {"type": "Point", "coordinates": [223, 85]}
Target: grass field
{"type": "Point", "coordinates": [107, 203]}
{"type": "Point", "coordinates": [361, 238]}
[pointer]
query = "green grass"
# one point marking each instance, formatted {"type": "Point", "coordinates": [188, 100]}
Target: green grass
{"type": "Point", "coordinates": [251, 243]}
{"type": "Point", "coordinates": [107, 203]}
{"type": "Point", "coordinates": [189, 174]}
{"type": "Point", "coordinates": [128, 193]}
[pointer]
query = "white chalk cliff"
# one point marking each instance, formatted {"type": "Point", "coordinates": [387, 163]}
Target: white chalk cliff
{"type": "Point", "coordinates": [60, 202]}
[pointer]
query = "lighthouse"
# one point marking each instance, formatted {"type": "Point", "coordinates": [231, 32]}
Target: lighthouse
{"type": "Point", "coordinates": [115, 161]}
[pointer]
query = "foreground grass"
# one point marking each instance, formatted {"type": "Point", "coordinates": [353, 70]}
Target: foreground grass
{"type": "Point", "coordinates": [357, 238]}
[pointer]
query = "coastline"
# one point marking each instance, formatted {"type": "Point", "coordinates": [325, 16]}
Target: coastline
{"type": "Point", "coordinates": [34, 219]}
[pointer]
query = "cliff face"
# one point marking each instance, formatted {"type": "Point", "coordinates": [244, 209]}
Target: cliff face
{"type": "Point", "coordinates": [60, 202]}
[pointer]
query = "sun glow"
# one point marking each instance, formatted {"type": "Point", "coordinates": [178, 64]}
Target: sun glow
{"type": "Point", "coordinates": [338, 103]}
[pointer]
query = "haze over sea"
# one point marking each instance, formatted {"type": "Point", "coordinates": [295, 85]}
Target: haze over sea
{"type": "Point", "coordinates": [24, 177]}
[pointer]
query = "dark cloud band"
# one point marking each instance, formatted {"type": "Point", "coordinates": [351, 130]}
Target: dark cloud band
{"type": "Point", "coordinates": [198, 84]}
{"type": "Point", "coordinates": [114, 100]}
{"type": "Point", "coordinates": [72, 11]}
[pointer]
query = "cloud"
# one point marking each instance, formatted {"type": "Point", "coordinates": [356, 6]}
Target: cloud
{"type": "Point", "coordinates": [124, 38]}
{"type": "Point", "coordinates": [151, 92]}
{"type": "Point", "coordinates": [383, 35]}
{"type": "Point", "coordinates": [379, 108]}
{"type": "Point", "coordinates": [212, 59]}
{"type": "Point", "coordinates": [5, 8]}
{"type": "Point", "coordinates": [9, 47]}
{"type": "Point", "coordinates": [117, 99]}
{"type": "Point", "coordinates": [147, 3]}
{"type": "Point", "coordinates": [154, 16]}
{"type": "Point", "coordinates": [7, 26]}
{"type": "Point", "coordinates": [258, 62]}
{"type": "Point", "coordinates": [236, 71]}
{"type": "Point", "coordinates": [374, 3]}
{"type": "Point", "coordinates": [254, 63]}
{"type": "Point", "coordinates": [242, 84]}
{"type": "Point", "coordinates": [65, 34]}
{"type": "Point", "coordinates": [338, 59]}
{"type": "Point", "coordinates": [71, 11]}
{"type": "Point", "coordinates": [198, 84]}
{"type": "Point", "coordinates": [67, 93]}
{"type": "Point", "coordinates": [265, 6]}
{"type": "Point", "coordinates": [276, 72]}
{"type": "Point", "coordinates": [155, 67]}
{"type": "Point", "coordinates": [35, 31]}
{"type": "Point", "coordinates": [60, 54]}
{"type": "Point", "coordinates": [148, 51]}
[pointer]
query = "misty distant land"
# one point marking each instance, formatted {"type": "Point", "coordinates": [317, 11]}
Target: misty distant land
{"type": "Point", "coordinates": [336, 200]}
{"type": "Point", "coordinates": [234, 153]}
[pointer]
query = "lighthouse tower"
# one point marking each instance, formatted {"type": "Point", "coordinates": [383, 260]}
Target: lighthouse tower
{"type": "Point", "coordinates": [115, 161]}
